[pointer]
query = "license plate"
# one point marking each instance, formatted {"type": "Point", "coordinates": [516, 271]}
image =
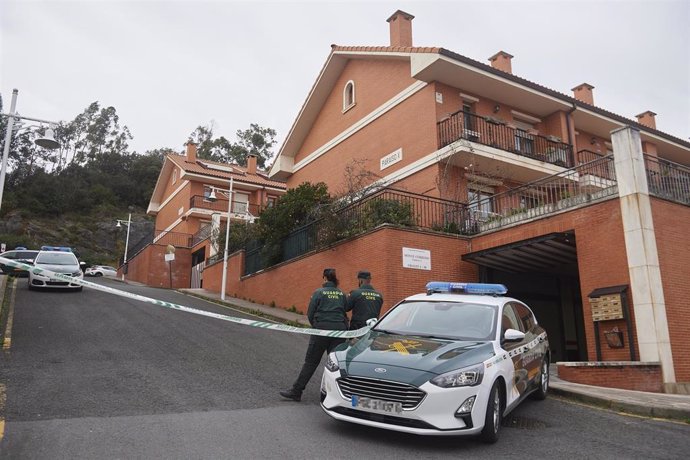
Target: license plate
{"type": "Point", "coordinates": [376, 405]}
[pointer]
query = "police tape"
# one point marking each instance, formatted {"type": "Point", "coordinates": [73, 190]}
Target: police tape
{"type": "Point", "coordinates": [246, 322]}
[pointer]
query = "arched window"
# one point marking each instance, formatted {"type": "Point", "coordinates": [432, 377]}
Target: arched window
{"type": "Point", "coordinates": [348, 95]}
{"type": "Point", "coordinates": [174, 177]}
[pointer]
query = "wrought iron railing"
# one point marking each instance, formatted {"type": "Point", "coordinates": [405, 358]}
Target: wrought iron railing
{"type": "Point", "coordinates": [668, 180]}
{"type": "Point", "coordinates": [495, 133]}
{"type": "Point", "coordinates": [390, 206]}
{"type": "Point", "coordinates": [221, 205]}
{"type": "Point", "coordinates": [577, 186]}
{"type": "Point", "coordinates": [203, 234]}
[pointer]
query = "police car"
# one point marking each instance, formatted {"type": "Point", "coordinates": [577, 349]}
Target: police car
{"type": "Point", "coordinates": [453, 361]}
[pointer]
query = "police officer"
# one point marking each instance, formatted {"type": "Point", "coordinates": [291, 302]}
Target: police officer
{"type": "Point", "coordinates": [364, 302]}
{"type": "Point", "coordinates": [326, 311]}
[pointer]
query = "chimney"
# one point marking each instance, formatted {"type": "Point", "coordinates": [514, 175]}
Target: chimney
{"type": "Point", "coordinates": [584, 93]}
{"type": "Point", "coordinates": [647, 119]}
{"type": "Point", "coordinates": [251, 164]}
{"type": "Point", "coordinates": [501, 61]}
{"type": "Point", "coordinates": [191, 152]}
{"type": "Point", "coordinates": [401, 28]}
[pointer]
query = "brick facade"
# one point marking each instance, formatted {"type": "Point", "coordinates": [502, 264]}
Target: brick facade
{"type": "Point", "coordinates": [615, 375]}
{"type": "Point", "coordinates": [149, 267]}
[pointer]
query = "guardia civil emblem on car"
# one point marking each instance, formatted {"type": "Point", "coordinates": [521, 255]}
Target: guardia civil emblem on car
{"type": "Point", "coordinates": [457, 360]}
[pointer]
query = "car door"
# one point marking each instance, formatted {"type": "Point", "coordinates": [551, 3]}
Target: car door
{"type": "Point", "coordinates": [511, 320]}
{"type": "Point", "coordinates": [533, 353]}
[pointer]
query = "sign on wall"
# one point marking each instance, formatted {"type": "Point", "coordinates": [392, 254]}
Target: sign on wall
{"type": "Point", "coordinates": [391, 159]}
{"type": "Point", "coordinates": [419, 259]}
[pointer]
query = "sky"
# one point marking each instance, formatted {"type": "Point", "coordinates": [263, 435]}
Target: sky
{"type": "Point", "coordinates": [170, 66]}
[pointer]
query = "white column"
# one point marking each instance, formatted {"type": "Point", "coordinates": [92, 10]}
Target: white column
{"type": "Point", "coordinates": [215, 233]}
{"type": "Point", "coordinates": [651, 323]}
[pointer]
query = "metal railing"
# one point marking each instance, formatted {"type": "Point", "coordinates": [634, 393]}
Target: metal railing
{"type": "Point", "coordinates": [668, 180]}
{"type": "Point", "coordinates": [493, 132]}
{"type": "Point", "coordinates": [203, 234]}
{"type": "Point", "coordinates": [577, 186]}
{"type": "Point", "coordinates": [390, 206]}
{"type": "Point", "coordinates": [221, 205]}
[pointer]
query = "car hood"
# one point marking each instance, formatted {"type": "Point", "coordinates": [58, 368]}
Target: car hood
{"type": "Point", "coordinates": [66, 269]}
{"type": "Point", "coordinates": [407, 358]}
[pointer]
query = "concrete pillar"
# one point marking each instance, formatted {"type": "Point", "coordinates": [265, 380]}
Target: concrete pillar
{"type": "Point", "coordinates": [651, 323]}
{"type": "Point", "coordinates": [215, 232]}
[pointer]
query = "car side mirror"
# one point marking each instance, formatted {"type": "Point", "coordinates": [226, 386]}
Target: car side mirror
{"type": "Point", "coordinates": [513, 335]}
{"type": "Point", "coordinates": [371, 322]}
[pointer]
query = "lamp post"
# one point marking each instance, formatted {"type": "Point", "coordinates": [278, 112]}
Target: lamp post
{"type": "Point", "coordinates": [128, 223]}
{"type": "Point", "coordinates": [46, 142]}
{"type": "Point", "coordinates": [212, 197]}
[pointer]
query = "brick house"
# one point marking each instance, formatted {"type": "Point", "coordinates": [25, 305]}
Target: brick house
{"type": "Point", "coordinates": [189, 202]}
{"type": "Point", "coordinates": [581, 212]}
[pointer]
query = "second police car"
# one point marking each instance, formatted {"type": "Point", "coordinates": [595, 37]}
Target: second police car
{"type": "Point", "coordinates": [453, 361]}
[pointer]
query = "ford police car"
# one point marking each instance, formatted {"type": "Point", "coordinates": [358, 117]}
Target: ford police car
{"type": "Point", "coordinates": [453, 361]}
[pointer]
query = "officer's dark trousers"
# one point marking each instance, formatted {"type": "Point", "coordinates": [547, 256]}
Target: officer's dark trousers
{"type": "Point", "coordinates": [317, 346]}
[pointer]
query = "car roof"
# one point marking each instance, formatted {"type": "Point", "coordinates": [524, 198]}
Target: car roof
{"type": "Point", "coordinates": [461, 298]}
{"type": "Point", "coordinates": [56, 252]}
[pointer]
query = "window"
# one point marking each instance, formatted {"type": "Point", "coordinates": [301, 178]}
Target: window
{"type": "Point", "coordinates": [271, 201]}
{"type": "Point", "coordinates": [207, 192]}
{"type": "Point", "coordinates": [174, 176]}
{"type": "Point", "coordinates": [509, 320]}
{"type": "Point", "coordinates": [240, 203]}
{"type": "Point", "coordinates": [524, 141]}
{"type": "Point", "coordinates": [349, 95]}
{"type": "Point", "coordinates": [480, 203]}
{"type": "Point", "coordinates": [526, 316]}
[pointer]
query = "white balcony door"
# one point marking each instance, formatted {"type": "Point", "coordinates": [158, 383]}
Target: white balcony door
{"type": "Point", "coordinates": [240, 203]}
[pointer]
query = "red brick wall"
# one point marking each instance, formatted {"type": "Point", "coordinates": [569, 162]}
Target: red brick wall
{"type": "Point", "coordinates": [149, 267]}
{"type": "Point", "coordinates": [671, 225]}
{"type": "Point", "coordinates": [380, 252]}
{"type": "Point", "coordinates": [601, 257]}
{"type": "Point", "coordinates": [640, 378]}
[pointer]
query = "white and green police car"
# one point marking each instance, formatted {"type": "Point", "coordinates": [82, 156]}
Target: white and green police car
{"type": "Point", "coordinates": [453, 361]}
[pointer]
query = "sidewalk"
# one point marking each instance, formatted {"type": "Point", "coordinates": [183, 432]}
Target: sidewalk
{"type": "Point", "coordinates": [659, 405]}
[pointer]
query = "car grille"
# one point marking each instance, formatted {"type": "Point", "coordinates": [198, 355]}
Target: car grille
{"type": "Point", "coordinates": [381, 418]}
{"type": "Point", "coordinates": [409, 396]}
{"type": "Point", "coordinates": [57, 283]}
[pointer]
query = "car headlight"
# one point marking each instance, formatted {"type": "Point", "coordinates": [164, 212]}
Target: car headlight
{"type": "Point", "coordinates": [332, 363]}
{"type": "Point", "coordinates": [467, 377]}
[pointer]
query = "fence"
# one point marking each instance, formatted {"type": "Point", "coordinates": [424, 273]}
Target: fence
{"type": "Point", "coordinates": [668, 180]}
{"type": "Point", "coordinates": [495, 133]}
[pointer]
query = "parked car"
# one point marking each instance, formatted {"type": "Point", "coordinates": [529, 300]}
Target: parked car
{"type": "Point", "coordinates": [20, 255]}
{"type": "Point", "coordinates": [453, 361]}
{"type": "Point", "coordinates": [58, 262]}
{"type": "Point", "coordinates": [101, 270]}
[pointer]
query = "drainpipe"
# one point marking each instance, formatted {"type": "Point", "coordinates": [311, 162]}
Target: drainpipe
{"type": "Point", "coordinates": [570, 137]}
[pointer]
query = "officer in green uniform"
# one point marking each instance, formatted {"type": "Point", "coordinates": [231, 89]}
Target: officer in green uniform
{"type": "Point", "coordinates": [326, 311]}
{"type": "Point", "coordinates": [364, 302]}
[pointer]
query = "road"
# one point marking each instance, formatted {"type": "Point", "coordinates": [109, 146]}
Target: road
{"type": "Point", "coordinates": [92, 375]}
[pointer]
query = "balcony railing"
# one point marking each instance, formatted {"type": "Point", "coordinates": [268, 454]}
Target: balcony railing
{"type": "Point", "coordinates": [668, 180]}
{"type": "Point", "coordinates": [488, 131]}
{"type": "Point", "coordinates": [577, 186]}
{"type": "Point", "coordinates": [220, 205]}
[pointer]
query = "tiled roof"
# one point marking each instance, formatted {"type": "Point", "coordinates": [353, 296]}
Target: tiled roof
{"type": "Point", "coordinates": [240, 174]}
{"type": "Point", "coordinates": [514, 78]}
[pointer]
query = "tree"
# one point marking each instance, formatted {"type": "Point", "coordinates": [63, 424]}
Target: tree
{"type": "Point", "coordinates": [255, 140]}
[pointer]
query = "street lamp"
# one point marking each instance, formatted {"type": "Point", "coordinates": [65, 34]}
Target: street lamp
{"type": "Point", "coordinates": [128, 223]}
{"type": "Point", "coordinates": [212, 197]}
{"type": "Point", "coordinates": [47, 141]}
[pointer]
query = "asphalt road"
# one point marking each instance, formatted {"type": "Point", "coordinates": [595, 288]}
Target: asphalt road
{"type": "Point", "coordinates": [91, 375]}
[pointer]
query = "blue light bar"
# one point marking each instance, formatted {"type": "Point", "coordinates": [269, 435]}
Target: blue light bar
{"type": "Point", "coordinates": [466, 288]}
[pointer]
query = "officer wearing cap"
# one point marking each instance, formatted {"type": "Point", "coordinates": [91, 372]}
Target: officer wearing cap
{"type": "Point", "coordinates": [326, 311]}
{"type": "Point", "coordinates": [365, 302]}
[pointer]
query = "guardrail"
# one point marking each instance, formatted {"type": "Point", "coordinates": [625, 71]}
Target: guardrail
{"type": "Point", "coordinates": [668, 180]}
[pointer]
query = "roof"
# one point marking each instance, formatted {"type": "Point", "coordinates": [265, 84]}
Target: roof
{"type": "Point", "coordinates": [239, 174]}
{"type": "Point", "coordinates": [340, 54]}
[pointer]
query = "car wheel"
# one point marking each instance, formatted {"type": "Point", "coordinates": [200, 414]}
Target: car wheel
{"type": "Point", "coordinates": [540, 393]}
{"type": "Point", "coordinates": [31, 286]}
{"type": "Point", "coordinates": [494, 416]}
{"type": "Point", "coordinates": [98, 274]}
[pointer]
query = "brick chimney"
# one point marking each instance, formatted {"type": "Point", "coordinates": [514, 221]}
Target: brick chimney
{"type": "Point", "coordinates": [647, 119]}
{"type": "Point", "coordinates": [501, 61]}
{"type": "Point", "coordinates": [251, 164]}
{"type": "Point", "coordinates": [191, 152]}
{"type": "Point", "coordinates": [584, 93]}
{"type": "Point", "coordinates": [401, 28]}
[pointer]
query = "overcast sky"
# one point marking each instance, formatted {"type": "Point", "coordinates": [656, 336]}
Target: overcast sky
{"type": "Point", "coordinates": [169, 66]}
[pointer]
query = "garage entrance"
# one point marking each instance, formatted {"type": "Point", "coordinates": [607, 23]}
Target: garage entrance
{"type": "Point", "coordinates": [543, 273]}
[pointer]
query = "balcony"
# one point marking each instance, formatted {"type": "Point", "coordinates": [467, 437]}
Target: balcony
{"type": "Point", "coordinates": [239, 211]}
{"type": "Point", "coordinates": [494, 133]}
{"type": "Point", "coordinates": [668, 180]}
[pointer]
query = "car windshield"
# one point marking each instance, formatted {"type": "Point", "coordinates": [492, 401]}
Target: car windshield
{"type": "Point", "coordinates": [57, 258]}
{"type": "Point", "coordinates": [451, 320]}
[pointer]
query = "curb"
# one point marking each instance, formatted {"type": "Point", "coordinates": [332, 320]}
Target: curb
{"type": "Point", "coordinates": [623, 406]}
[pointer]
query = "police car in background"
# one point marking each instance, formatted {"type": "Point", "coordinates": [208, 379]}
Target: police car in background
{"type": "Point", "coordinates": [453, 361]}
